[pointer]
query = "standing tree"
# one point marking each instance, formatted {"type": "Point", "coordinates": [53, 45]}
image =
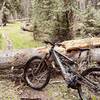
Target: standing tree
{"type": "Point", "coordinates": [53, 18]}
{"type": "Point", "coordinates": [69, 17]}
{"type": "Point", "coordinates": [13, 6]}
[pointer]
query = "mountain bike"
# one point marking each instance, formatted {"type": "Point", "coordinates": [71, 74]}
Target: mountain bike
{"type": "Point", "coordinates": [37, 72]}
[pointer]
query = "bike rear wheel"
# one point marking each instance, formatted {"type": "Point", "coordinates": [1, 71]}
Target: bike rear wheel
{"type": "Point", "coordinates": [92, 90]}
{"type": "Point", "coordinates": [36, 73]}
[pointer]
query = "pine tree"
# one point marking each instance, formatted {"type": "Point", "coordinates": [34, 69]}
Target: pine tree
{"type": "Point", "coordinates": [52, 19]}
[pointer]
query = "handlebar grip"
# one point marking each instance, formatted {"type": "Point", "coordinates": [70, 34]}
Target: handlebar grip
{"type": "Point", "coordinates": [54, 44]}
{"type": "Point", "coordinates": [48, 42]}
{"type": "Point", "coordinates": [59, 44]}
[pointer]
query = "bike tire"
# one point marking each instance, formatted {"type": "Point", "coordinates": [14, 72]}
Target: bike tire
{"type": "Point", "coordinates": [28, 81]}
{"type": "Point", "coordinates": [90, 71]}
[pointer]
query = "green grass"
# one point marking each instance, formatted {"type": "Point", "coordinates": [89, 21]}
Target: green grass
{"type": "Point", "coordinates": [2, 42]}
{"type": "Point", "coordinates": [20, 39]}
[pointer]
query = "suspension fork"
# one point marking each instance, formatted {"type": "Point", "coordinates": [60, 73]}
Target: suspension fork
{"type": "Point", "coordinates": [46, 58]}
{"type": "Point", "coordinates": [39, 68]}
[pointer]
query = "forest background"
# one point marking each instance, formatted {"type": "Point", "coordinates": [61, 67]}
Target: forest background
{"type": "Point", "coordinates": [56, 20]}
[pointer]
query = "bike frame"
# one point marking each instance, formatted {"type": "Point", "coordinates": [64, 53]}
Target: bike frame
{"type": "Point", "coordinates": [65, 72]}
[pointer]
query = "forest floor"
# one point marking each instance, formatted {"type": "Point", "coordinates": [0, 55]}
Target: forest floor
{"type": "Point", "coordinates": [53, 91]}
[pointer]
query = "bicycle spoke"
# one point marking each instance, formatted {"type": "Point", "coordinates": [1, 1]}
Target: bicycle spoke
{"type": "Point", "coordinates": [43, 74]}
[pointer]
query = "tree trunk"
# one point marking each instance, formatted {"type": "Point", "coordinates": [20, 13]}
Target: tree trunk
{"type": "Point", "coordinates": [69, 19]}
{"type": "Point", "coordinates": [17, 57]}
{"type": "Point", "coordinates": [26, 4]}
{"type": "Point", "coordinates": [20, 57]}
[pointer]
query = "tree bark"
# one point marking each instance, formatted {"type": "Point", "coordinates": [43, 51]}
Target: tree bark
{"type": "Point", "coordinates": [11, 58]}
{"type": "Point", "coordinates": [20, 57]}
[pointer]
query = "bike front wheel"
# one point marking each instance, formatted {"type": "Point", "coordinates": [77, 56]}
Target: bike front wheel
{"type": "Point", "coordinates": [90, 89]}
{"type": "Point", "coordinates": [36, 73]}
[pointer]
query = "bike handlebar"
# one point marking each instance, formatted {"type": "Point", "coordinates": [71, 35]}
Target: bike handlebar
{"type": "Point", "coordinates": [48, 42]}
{"type": "Point", "coordinates": [54, 44]}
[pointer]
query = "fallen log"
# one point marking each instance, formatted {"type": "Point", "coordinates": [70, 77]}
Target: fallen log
{"type": "Point", "coordinates": [82, 43]}
{"type": "Point", "coordinates": [20, 57]}
{"type": "Point", "coordinates": [11, 58]}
